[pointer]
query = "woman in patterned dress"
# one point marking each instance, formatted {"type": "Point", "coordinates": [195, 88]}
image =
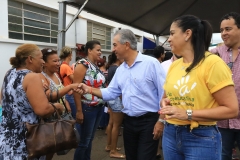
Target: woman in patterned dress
{"type": "Point", "coordinates": [23, 100]}
{"type": "Point", "coordinates": [89, 107]}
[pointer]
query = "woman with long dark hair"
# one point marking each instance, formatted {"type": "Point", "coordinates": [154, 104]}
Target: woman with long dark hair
{"type": "Point", "coordinates": [195, 94]}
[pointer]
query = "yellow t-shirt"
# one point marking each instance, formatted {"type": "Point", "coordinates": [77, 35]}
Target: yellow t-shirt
{"type": "Point", "coordinates": [194, 90]}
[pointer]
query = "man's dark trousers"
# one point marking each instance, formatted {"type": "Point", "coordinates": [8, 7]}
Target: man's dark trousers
{"type": "Point", "coordinates": [138, 137]}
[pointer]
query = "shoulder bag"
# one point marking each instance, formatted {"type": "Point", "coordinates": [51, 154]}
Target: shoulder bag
{"type": "Point", "coordinates": [50, 137]}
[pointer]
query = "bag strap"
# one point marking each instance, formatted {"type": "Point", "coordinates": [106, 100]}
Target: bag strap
{"type": "Point", "coordinates": [55, 108]}
{"type": "Point", "coordinates": [66, 110]}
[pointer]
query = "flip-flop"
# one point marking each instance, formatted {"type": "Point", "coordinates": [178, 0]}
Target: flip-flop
{"type": "Point", "coordinates": [122, 156]}
{"type": "Point", "coordinates": [108, 150]}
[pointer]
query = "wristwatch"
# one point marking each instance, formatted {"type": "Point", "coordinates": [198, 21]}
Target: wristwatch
{"type": "Point", "coordinates": [161, 120]}
{"type": "Point", "coordinates": [189, 114]}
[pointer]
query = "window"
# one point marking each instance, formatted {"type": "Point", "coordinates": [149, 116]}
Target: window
{"type": "Point", "coordinates": [100, 33]}
{"type": "Point", "coordinates": [28, 22]}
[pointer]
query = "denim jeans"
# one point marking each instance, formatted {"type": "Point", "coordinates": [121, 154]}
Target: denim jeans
{"type": "Point", "coordinates": [199, 144]}
{"type": "Point", "coordinates": [92, 116]}
{"type": "Point", "coordinates": [71, 102]}
{"type": "Point", "coordinates": [116, 105]}
{"type": "Point", "coordinates": [229, 137]}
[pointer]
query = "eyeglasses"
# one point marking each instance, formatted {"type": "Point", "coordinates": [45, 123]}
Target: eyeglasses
{"type": "Point", "coordinates": [230, 65]}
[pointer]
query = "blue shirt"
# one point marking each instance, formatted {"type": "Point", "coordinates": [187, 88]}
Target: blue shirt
{"type": "Point", "coordinates": [141, 86]}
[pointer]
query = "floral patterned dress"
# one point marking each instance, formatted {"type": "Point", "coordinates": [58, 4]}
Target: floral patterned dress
{"type": "Point", "coordinates": [16, 110]}
{"type": "Point", "coordinates": [94, 78]}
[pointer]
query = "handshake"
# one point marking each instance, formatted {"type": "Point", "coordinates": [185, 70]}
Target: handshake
{"type": "Point", "coordinates": [82, 88]}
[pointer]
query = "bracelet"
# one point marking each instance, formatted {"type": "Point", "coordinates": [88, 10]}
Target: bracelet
{"type": "Point", "coordinates": [161, 120]}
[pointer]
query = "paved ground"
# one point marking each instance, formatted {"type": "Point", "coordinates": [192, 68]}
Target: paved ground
{"type": "Point", "coordinates": [98, 152]}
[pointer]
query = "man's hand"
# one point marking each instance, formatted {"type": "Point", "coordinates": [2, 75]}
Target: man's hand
{"type": "Point", "coordinates": [84, 88]}
{"type": "Point", "coordinates": [158, 130]}
{"type": "Point", "coordinates": [79, 117]}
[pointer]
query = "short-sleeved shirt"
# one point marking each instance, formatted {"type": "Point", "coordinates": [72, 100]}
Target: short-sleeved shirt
{"type": "Point", "coordinates": [65, 72]}
{"type": "Point", "coordinates": [166, 64]}
{"type": "Point", "coordinates": [94, 78]}
{"type": "Point", "coordinates": [224, 53]}
{"type": "Point", "coordinates": [194, 90]}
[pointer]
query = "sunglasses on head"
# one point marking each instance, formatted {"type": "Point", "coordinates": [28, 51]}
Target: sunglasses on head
{"type": "Point", "coordinates": [50, 50]}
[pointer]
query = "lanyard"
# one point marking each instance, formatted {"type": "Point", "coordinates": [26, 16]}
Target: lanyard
{"type": "Point", "coordinates": [231, 57]}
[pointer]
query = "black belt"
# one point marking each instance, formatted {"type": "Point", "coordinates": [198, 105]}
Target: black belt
{"type": "Point", "coordinates": [146, 115]}
{"type": "Point", "coordinates": [188, 125]}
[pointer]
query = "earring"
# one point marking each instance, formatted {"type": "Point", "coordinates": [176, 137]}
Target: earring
{"type": "Point", "coordinates": [186, 39]}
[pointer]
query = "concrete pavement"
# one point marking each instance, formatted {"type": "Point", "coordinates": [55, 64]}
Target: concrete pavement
{"type": "Point", "coordinates": [98, 148]}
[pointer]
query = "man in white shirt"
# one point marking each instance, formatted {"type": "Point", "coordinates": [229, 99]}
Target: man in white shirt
{"type": "Point", "coordinates": [167, 64]}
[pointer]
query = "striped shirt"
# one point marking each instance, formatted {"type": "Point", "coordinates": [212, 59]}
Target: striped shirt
{"type": "Point", "coordinates": [224, 52]}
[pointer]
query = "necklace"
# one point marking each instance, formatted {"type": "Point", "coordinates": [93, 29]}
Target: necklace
{"type": "Point", "coordinates": [92, 63]}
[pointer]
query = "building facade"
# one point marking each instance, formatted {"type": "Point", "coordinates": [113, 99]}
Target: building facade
{"type": "Point", "coordinates": [36, 21]}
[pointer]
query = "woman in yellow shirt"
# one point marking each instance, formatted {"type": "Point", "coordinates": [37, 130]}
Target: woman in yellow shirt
{"type": "Point", "coordinates": [198, 92]}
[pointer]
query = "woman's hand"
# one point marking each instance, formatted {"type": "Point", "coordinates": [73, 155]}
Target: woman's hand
{"type": "Point", "coordinates": [173, 112]}
{"type": "Point", "coordinates": [45, 85]}
{"type": "Point", "coordinates": [68, 106]}
{"type": "Point", "coordinates": [164, 102]}
{"type": "Point", "coordinates": [79, 117]}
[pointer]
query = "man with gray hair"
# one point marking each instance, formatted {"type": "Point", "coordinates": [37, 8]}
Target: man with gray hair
{"type": "Point", "coordinates": [139, 79]}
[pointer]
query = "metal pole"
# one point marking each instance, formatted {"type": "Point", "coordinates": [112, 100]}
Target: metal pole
{"type": "Point", "coordinates": [157, 40]}
{"type": "Point", "coordinates": [154, 39]}
{"type": "Point", "coordinates": [76, 15]}
{"type": "Point", "coordinates": [61, 26]}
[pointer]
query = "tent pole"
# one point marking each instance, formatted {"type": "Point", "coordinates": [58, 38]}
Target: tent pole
{"type": "Point", "coordinates": [62, 23]}
{"type": "Point", "coordinates": [61, 26]}
{"type": "Point", "coordinates": [157, 40]}
{"type": "Point", "coordinates": [76, 15]}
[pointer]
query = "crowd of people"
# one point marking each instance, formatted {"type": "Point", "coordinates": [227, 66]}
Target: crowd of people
{"type": "Point", "coordinates": [189, 102]}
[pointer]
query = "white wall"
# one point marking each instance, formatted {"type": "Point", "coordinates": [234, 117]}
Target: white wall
{"type": "Point", "coordinates": [216, 38]}
{"type": "Point", "coordinates": [7, 50]}
{"type": "Point", "coordinates": [70, 34]}
{"type": "Point", "coordinates": [4, 19]}
{"type": "Point", "coordinates": [81, 31]}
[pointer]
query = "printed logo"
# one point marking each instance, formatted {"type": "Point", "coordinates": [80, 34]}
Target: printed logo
{"type": "Point", "coordinates": [182, 86]}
